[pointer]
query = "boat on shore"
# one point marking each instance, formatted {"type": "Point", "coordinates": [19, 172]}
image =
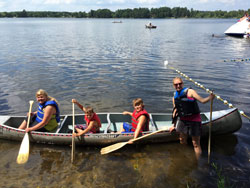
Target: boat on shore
{"type": "Point", "coordinates": [240, 29]}
{"type": "Point", "coordinates": [223, 122]}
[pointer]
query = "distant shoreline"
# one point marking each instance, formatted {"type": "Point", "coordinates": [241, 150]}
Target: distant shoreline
{"type": "Point", "coordinates": [162, 12]}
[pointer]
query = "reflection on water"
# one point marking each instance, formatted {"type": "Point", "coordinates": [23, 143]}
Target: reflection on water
{"type": "Point", "coordinates": [161, 165]}
{"type": "Point", "coordinates": [106, 66]}
{"type": "Point", "coordinates": [131, 167]}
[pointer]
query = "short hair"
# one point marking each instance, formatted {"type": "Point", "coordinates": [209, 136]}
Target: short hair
{"type": "Point", "coordinates": [89, 110]}
{"type": "Point", "coordinates": [179, 78]}
{"type": "Point", "coordinates": [137, 101]}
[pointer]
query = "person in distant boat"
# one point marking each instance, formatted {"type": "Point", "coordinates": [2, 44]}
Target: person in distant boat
{"type": "Point", "coordinates": [47, 116]}
{"type": "Point", "coordinates": [188, 113]}
{"type": "Point", "coordinates": [247, 35]}
{"type": "Point", "coordinates": [246, 16]}
{"type": "Point", "coordinates": [93, 122]}
{"type": "Point", "coordinates": [140, 119]}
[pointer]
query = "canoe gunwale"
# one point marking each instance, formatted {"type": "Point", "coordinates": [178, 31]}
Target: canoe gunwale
{"type": "Point", "coordinates": [12, 133]}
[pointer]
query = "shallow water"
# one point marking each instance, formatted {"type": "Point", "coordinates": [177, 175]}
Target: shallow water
{"type": "Point", "coordinates": [107, 65]}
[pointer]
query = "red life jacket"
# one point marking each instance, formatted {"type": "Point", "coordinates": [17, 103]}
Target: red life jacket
{"type": "Point", "coordinates": [135, 121]}
{"type": "Point", "coordinates": [94, 118]}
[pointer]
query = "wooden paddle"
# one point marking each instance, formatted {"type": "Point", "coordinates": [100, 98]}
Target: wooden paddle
{"type": "Point", "coordinates": [210, 127]}
{"type": "Point", "coordinates": [73, 138]}
{"type": "Point", "coordinates": [23, 154]}
{"type": "Point", "coordinates": [119, 145]}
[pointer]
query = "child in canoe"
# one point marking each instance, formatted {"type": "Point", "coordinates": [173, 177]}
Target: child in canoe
{"type": "Point", "coordinates": [139, 117]}
{"type": "Point", "coordinates": [93, 122]}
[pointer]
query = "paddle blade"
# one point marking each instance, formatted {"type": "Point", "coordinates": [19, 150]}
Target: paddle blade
{"type": "Point", "coordinates": [113, 147]}
{"type": "Point", "coordinates": [23, 154]}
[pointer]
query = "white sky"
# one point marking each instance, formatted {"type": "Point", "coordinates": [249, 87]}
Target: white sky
{"type": "Point", "coordinates": [87, 5]}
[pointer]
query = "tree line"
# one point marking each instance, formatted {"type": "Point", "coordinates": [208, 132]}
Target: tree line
{"type": "Point", "coordinates": [162, 12]}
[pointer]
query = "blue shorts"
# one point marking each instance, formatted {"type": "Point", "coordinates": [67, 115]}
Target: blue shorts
{"type": "Point", "coordinates": [127, 127]}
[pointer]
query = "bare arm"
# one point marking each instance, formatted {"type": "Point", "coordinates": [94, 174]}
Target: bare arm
{"type": "Point", "coordinates": [32, 113]}
{"type": "Point", "coordinates": [174, 112]}
{"type": "Point", "coordinates": [193, 94]}
{"type": "Point", "coordinates": [79, 105]}
{"type": "Point", "coordinates": [173, 102]}
{"type": "Point", "coordinates": [48, 112]}
{"type": "Point", "coordinates": [127, 113]}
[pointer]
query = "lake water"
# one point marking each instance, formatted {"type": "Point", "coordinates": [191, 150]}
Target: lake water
{"type": "Point", "coordinates": [106, 65]}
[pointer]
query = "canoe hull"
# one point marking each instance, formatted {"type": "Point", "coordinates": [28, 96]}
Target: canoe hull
{"type": "Point", "coordinates": [224, 122]}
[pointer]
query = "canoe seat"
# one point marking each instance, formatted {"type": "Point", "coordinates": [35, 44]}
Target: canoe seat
{"type": "Point", "coordinates": [115, 126]}
{"type": "Point", "coordinates": [116, 120]}
{"type": "Point", "coordinates": [161, 122]}
{"type": "Point", "coordinates": [165, 124]}
{"type": "Point", "coordinates": [204, 117]}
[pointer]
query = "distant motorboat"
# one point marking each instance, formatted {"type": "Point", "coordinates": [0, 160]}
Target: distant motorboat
{"type": "Point", "coordinates": [239, 29]}
{"type": "Point", "coordinates": [150, 26]}
{"type": "Point", "coordinates": [117, 22]}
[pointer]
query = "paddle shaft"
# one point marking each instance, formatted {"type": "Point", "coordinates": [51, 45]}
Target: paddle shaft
{"type": "Point", "coordinates": [138, 138]}
{"type": "Point", "coordinates": [30, 109]}
{"type": "Point", "coordinates": [210, 127]}
{"type": "Point", "coordinates": [73, 138]}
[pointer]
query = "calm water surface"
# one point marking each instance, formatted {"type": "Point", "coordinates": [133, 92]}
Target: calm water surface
{"type": "Point", "coordinates": [107, 65]}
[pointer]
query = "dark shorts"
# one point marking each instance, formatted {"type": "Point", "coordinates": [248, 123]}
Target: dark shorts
{"type": "Point", "coordinates": [191, 128]}
{"type": "Point", "coordinates": [33, 122]}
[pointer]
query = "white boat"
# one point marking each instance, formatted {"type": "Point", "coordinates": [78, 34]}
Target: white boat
{"type": "Point", "coordinates": [239, 29]}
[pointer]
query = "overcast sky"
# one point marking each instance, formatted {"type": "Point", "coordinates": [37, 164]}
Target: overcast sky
{"type": "Point", "coordinates": [87, 5]}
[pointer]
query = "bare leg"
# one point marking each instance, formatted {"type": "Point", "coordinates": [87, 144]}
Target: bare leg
{"type": "Point", "coordinates": [23, 125]}
{"type": "Point", "coordinates": [197, 146]}
{"type": "Point", "coordinates": [121, 129]}
{"type": "Point", "coordinates": [183, 138]}
{"type": "Point", "coordinates": [79, 130]}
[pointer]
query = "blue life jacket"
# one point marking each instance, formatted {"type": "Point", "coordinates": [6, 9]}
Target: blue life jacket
{"type": "Point", "coordinates": [185, 106]}
{"type": "Point", "coordinates": [40, 112]}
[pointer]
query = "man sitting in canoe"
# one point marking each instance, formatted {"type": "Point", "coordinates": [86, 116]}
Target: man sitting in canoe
{"type": "Point", "coordinates": [47, 116]}
{"type": "Point", "coordinates": [93, 122]}
{"type": "Point", "coordinates": [140, 119]}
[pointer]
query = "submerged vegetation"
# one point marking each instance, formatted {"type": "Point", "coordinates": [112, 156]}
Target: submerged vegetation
{"type": "Point", "coordinates": [162, 12]}
{"type": "Point", "coordinates": [221, 181]}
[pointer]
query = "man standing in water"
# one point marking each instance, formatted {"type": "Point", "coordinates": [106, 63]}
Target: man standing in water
{"type": "Point", "coordinates": [187, 109]}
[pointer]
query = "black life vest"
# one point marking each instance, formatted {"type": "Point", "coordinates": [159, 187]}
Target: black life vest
{"type": "Point", "coordinates": [185, 106]}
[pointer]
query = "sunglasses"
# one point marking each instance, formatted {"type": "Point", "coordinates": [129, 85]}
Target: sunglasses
{"type": "Point", "coordinates": [178, 84]}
